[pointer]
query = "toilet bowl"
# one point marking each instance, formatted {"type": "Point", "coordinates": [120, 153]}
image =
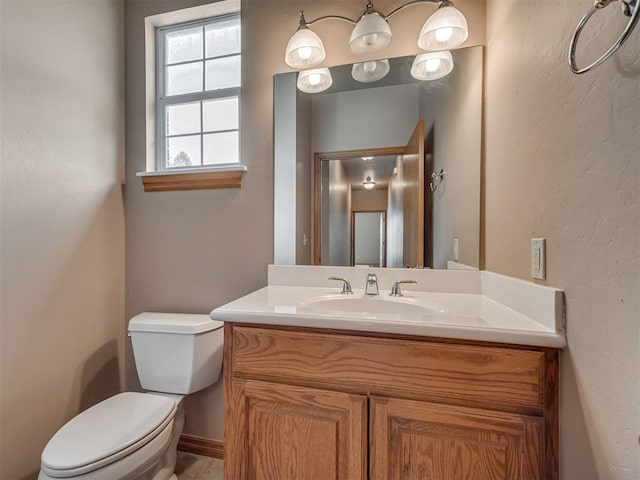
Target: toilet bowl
{"type": "Point", "coordinates": [134, 436]}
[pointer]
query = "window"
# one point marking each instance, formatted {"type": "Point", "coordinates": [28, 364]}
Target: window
{"type": "Point", "coordinates": [197, 93]}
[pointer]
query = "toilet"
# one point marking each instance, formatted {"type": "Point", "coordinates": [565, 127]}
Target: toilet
{"type": "Point", "coordinates": [134, 436]}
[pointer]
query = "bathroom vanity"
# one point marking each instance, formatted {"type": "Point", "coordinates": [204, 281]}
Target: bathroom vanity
{"type": "Point", "coordinates": [466, 388]}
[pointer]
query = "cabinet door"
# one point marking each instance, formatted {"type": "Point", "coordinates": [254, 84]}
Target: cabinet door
{"type": "Point", "coordinates": [296, 433]}
{"type": "Point", "coordinates": [423, 441]}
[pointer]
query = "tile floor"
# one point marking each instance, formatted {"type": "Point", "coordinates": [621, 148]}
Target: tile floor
{"type": "Point", "coordinates": [197, 467]}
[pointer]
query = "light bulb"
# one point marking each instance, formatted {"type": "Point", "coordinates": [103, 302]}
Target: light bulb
{"type": "Point", "coordinates": [370, 39]}
{"type": "Point", "coordinates": [444, 34]}
{"type": "Point", "coordinates": [369, 67]}
{"type": "Point", "coordinates": [314, 79]}
{"type": "Point", "coordinates": [304, 52]}
{"type": "Point", "coordinates": [432, 64]}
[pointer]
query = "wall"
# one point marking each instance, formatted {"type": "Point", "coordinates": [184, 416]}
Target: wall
{"type": "Point", "coordinates": [304, 161]}
{"type": "Point", "coordinates": [193, 251]}
{"type": "Point", "coordinates": [369, 200]}
{"type": "Point", "coordinates": [286, 182]}
{"type": "Point", "coordinates": [363, 119]}
{"type": "Point", "coordinates": [562, 163]}
{"type": "Point", "coordinates": [336, 215]}
{"type": "Point", "coordinates": [228, 233]}
{"type": "Point", "coordinates": [395, 217]}
{"type": "Point", "coordinates": [457, 111]}
{"type": "Point", "coordinates": [62, 219]}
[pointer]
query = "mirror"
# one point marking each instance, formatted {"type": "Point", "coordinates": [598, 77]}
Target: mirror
{"type": "Point", "coordinates": [408, 137]}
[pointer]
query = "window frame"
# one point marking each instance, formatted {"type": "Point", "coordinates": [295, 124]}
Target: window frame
{"type": "Point", "coordinates": [163, 101]}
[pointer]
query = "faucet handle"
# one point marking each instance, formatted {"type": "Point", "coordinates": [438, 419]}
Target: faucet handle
{"type": "Point", "coordinates": [346, 286]}
{"type": "Point", "coordinates": [395, 289]}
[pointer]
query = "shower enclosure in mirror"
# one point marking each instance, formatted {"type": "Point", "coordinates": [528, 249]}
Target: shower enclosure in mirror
{"type": "Point", "coordinates": [372, 147]}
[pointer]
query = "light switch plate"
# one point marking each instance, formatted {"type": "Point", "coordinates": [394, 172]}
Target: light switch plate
{"type": "Point", "coordinates": [538, 258]}
{"type": "Point", "coordinates": [456, 253]}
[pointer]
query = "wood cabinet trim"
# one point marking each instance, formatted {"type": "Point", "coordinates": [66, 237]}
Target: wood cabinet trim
{"type": "Point", "coordinates": [490, 377]}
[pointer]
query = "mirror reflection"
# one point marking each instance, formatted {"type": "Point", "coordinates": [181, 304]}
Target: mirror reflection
{"type": "Point", "coordinates": [355, 167]}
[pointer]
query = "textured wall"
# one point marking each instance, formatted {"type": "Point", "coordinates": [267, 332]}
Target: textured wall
{"type": "Point", "coordinates": [563, 162]}
{"type": "Point", "coordinates": [62, 251]}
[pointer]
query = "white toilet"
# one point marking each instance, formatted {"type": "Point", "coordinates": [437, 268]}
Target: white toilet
{"type": "Point", "coordinates": [131, 435]}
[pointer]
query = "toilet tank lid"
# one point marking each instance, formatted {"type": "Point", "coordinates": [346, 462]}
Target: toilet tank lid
{"type": "Point", "coordinates": [182, 323]}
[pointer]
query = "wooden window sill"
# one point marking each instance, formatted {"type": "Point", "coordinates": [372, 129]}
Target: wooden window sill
{"type": "Point", "coordinates": [217, 177]}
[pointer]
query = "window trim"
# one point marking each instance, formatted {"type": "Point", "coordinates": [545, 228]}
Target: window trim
{"type": "Point", "coordinates": [163, 101]}
{"type": "Point", "coordinates": [215, 9]}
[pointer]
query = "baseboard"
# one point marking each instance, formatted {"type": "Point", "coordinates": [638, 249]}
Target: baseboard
{"type": "Point", "coordinates": [201, 446]}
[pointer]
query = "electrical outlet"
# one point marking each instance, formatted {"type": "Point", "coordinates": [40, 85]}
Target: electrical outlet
{"type": "Point", "coordinates": [456, 255]}
{"type": "Point", "coordinates": [538, 258]}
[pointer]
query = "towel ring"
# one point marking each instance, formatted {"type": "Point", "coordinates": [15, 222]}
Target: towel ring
{"type": "Point", "coordinates": [631, 9]}
{"type": "Point", "coordinates": [437, 178]}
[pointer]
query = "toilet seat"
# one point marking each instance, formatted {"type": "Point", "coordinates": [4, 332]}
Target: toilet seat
{"type": "Point", "coordinates": [107, 432]}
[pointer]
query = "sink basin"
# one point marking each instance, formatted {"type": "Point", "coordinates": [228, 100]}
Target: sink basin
{"type": "Point", "coordinates": [378, 304]}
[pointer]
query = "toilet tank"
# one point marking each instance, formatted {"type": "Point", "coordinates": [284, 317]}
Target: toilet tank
{"type": "Point", "coordinates": [176, 353]}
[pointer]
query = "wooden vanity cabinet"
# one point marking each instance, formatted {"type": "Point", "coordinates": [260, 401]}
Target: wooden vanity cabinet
{"type": "Point", "coordinates": [311, 404]}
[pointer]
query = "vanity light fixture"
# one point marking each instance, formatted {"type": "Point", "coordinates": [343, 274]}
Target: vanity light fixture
{"type": "Point", "coordinates": [305, 48]}
{"type": "Point", "coordinates": [432, 66]}
{"type": "Point", "coordinates": [314, 81]}
{"type": "Point", "coordinates": [445, 29]}
{"type": "Point", "coordinates": [368, 183]}
{"type": "Point", "coordinates": [371, 71]}
{"type": "Point", "coordinates": [366, 159]}
{"type": "Point", "coordinates": [371, 33]}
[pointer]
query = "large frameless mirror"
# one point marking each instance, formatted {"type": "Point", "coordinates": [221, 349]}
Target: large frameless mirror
{"type": "Point", "coordinates": [383, 172]}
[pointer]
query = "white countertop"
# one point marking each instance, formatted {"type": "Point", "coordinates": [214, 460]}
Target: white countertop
{"type": "Point", "coordinates": [478, 306]}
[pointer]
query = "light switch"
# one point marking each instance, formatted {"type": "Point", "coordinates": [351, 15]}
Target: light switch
{"type": "Point", "coordinates": [538, 254]}
{"type": "Point", "coordinates": [456, 255]}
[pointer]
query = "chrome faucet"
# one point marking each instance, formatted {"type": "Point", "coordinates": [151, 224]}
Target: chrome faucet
{"type": "Point", "coordinates": [395, 289]}
{"type": "Point", "coordinates": [372, 282]}
{"type": "Point", "coordinates": [346, 285]}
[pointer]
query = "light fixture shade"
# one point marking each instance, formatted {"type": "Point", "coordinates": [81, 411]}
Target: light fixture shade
{"type": "Point", "coordinates": [368, 183]}
{"type": "Point", "coordinates": [371, 33]}
{"type": "Point", "coordinates": [314, 81]}
{"type": "Point", "coordinates": [370, 71]}
{"type": "Point", "coordinates": [445, 29]}
{"type": "Point", "coordinates": [432, 66]}
{"type": "Point", "coordinates": [304, 50]}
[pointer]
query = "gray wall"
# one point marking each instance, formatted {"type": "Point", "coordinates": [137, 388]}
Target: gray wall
{"type": "Point", "coordinates": [359, 119]}
{"type": "Point", "coordinates": [304, 162]}
{"type": "Point", "coordinates": [193, 251]}
{"type": "Point", "coordinates": [456, 110]}
{"type": "Point", "coordinates": [336, 215]}
{"type": "Point", "coordinates": [62, 219]}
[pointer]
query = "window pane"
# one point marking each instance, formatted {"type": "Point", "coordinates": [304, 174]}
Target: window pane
{"type": "Point", "coordinates": [222, 38]}
{"type": "Point", "coordinates": [183, 118]}
{"type": "Point", "coordinates": [184, 45]}
{"type": "Point", "coordinates": [183, 151]}
{"type": "Point", "coordinates": [220, 114]}
{"type": "Point", "coordinates": [184, 78]}
{"type": "Point", "coordinates": [221, 148]}
{"type": "Point", "coordinates": [223, 73]}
